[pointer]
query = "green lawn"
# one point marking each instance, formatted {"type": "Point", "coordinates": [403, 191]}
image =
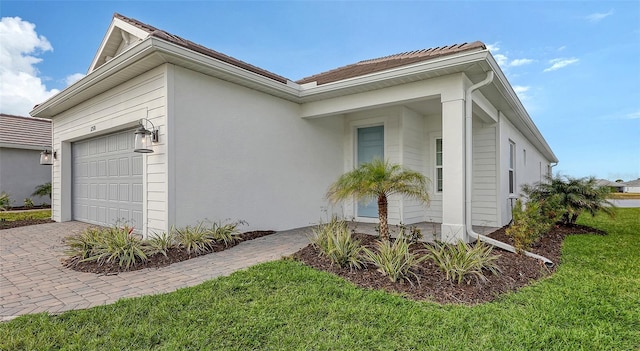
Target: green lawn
{"type": "Point", "coordinates": [591, 303]}
{"type": "Point", "coordinates": [22, 215]}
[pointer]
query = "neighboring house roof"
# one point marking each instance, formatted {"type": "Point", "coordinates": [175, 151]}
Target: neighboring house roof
{"type": "Point", "coordinates": [632, 183]}
{"type": "Point", "coordinates": [384, 63]}
{"type": "Point", "coordinates": [605, 182]}
{"type": "Point", "coordinates": [24, 132]}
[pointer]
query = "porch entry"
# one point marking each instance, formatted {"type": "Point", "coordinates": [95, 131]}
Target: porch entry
{"type": "Point", "coordinates": [370, 146]}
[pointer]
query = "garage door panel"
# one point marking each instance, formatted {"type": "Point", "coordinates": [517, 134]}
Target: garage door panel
{"type": "Point", "coordinates": [107, 178]}
{"type": "Point", "coordinates": [124, 167]}
{"type": "Point", "coordinates": [136, 165]}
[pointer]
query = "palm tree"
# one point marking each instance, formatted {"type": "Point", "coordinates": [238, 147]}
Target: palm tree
{"type": "Point", "coordinates": [573, 195]}
{"type": "Point", "coordinates": [379, 179]}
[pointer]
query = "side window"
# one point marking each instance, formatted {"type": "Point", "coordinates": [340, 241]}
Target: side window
{"type": "Point", "coordinates": [512, 166]}
{"type": "Point", "coordinates": [439, 165]}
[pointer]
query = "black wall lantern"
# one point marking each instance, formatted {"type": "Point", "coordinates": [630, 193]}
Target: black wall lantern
{"type": "Point", "coordinates": [47, 157]}
{"type": "Point", "coordinates": [144, 137]}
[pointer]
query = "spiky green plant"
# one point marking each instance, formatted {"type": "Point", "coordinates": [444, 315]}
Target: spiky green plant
{"type": "Point", "coordinates": [194, 239]}
{"type": "Point", "coordinates": [394, 259]}
{"type": "Point", "coordinates": [81, 245]}
{"type": "Point", "coordinates": [161, 243]}
{"type": "Point", "coordinates": [462, 262]}
{"type": "Point", "coordinates": [118, 245]}
{"type": "Point", "coordinates": [226, 233]}
{"type": "Point", "coordinates": [379, 179]}
{"type": "Point", "coordinates": [335, 241]}
{"type": "Point", "coordinates": [5, 201]}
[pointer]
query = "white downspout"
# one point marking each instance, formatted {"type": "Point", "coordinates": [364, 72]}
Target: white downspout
{"type": "Point", "coordinates": [468, 175]}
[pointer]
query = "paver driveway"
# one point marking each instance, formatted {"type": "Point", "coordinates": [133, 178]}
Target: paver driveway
{"type": "Point", "coordinates": [33, 280]}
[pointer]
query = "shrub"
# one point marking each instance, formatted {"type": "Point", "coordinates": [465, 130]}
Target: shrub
{"type": "Point", "coordinates": [227, 233]}
{"type": "Point", "coordinates": [334, 241]}
{"type": "Point", "coordinates": [529, 224]}
{"type": "Point", "coordinates": [413, 234]}
{"type": "Point", "coordinates": [81, 246]}
{"type": "Point", "coordinates": [394, 259]}
{"type": "Point", "coordinates": [462, 262]}
{"type": "Point", "coordinates": [5, 201]}
{"type": "Point", "coordinates": [121, 246]}
{"type": "Point", "coordinates": [161, 243]}
{"type": "Point", "coordinates": [573, 196]}
{"type": "Point", "coordinates": [105, 245]}
{"type": "Point", "coordinates": [193, 239]}
{"type": "Point", "coordinates": [28, 203]}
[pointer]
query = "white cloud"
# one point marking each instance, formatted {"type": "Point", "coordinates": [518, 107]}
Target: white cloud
{"type": "Point", "coordinates": [634, 115]}
{"type": "Point", "coordinates": [598, 16]}
{"type": "Point", "coordinates": [560, 63]}
{"type": "Point", "coordinates": [501, 59]}
{"type": "Point", "coordinates": [493, 47]}
{"type": "Point", "coordinates": [74, 78]}
{"type": "Point", "coordinates": [562, 47]}
{"type": "Point", "coordinates": [521, 91]}
{"type": "Point", "coordinates": [521, 62]}
{"type": "Point", "coordinates": [20, 86]}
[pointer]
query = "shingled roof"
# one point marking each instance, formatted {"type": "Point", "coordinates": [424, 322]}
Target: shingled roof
{"type": "Point", "coordinates": [21, 131]}
{"type": "Point", "coordinates": [354, 70]}
{"type": "Point", "coordinates": [158, 33]}
{"type": "Point", "coordinates": [384, 63]}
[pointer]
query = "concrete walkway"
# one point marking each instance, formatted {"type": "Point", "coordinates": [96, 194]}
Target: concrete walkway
{"type": "Point", "coordinates": [33, 280]}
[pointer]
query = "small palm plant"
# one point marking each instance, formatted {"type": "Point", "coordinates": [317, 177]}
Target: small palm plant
{"type": "Point", "coordinates": [43, 190]}
{"type": "Point", "coordinates": [379, 179]}
{"type": "Point", "coordinates": [573, 195]}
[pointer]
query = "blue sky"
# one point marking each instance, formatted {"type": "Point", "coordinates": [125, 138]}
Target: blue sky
{"type": "Point", "coordinates": [575, 65]}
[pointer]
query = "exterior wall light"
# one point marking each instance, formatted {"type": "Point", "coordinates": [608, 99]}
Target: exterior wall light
{"type": "Point", "coordinates": [144, 137]}
{"type": "Point", "coordinates": [47, 157]}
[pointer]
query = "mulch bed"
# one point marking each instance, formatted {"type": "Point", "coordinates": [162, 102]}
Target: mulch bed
{"type": "Point", "coordinates": [22, 223]}
{"type": "Point", "coordinates": [517, 270]}
{"type": "Point", "coordinates": [158, 260]}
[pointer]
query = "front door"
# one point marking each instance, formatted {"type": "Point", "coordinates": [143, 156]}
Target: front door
{"type": "Point", "coordinates": [370, 146]}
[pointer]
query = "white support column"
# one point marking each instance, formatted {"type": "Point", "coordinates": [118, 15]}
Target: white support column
{"type": "Point", "coordinates": [453, 187]}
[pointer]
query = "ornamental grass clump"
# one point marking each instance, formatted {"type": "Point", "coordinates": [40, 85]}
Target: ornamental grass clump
{"type": "Point", "coordinates": [108, 245]}
{"type": "Point", "coordinates": [334, 241]}
{"type": "Point", "coordinates": [161, 243]}
{"type": "Point", "coordinates": [226, 233]}
{"type": "Point", "coordinates": [196, 239]}
{"type": "Point", "coordinates": [394, 259]}
{"type": "Point", "coordinates": [462, 262]}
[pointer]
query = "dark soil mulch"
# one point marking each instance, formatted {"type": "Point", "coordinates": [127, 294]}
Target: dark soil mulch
{"type": "Point", "coordinates": [24, 208]}
{"type": "Point", "coordinates": [158, 260]}
{"type": "Point", "coordinates": [517, 270]}
{"type": "Point", "coordinates": [23, 223]}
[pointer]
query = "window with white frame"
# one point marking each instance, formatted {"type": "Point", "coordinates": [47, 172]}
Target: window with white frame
{"type": "Point", "coordinates": [439, 165]}
{"type": "Point", "coordinates": [512, 167]}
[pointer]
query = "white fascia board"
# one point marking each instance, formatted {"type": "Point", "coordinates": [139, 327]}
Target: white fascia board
{"type": "Point", "coordinates": [142, 49]}
{"type": "Point", "coordinates": [98, 53]}
{"type": "Point", "coordinates": [520, 112]}
{"type": "Point", "coordinates": [399, 72]}
{"type": "Point", "coordinates": [242, 74]}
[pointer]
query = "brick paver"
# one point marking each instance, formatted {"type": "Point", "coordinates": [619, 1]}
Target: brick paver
{"type": "Point", "coordinates": [32, 278]}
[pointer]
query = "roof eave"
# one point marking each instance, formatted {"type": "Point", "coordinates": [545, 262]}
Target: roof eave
{"type": "Point", "coordinates": [520, 112]}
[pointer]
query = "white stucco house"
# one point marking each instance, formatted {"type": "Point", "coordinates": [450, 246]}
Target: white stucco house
{"type": "Point", "coordinates": [22, 139]}
{"type": "Point", "coordinates": [632, 186]}
{"type": "Point", "coordinates": [236, 141]}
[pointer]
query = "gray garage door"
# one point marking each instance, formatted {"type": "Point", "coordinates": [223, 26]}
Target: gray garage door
{"type": "Point", "coordinates": [107, 181]}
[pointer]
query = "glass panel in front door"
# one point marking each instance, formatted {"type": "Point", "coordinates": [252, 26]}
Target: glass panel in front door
{"type": "Point", "coordinates": [370, 146]}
